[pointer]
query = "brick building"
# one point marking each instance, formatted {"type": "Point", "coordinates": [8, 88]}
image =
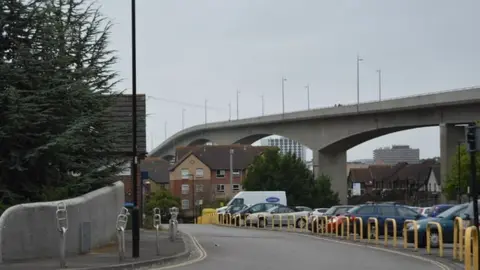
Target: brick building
{"type": "Point", "coordinates": [208, 168]}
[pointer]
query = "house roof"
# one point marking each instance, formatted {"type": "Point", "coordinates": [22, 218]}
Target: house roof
{"type": "Point", "coordinates": [360, 175]}
{"type": "Point", "coordinates": [157, 169]}
{"type": "Point", "coordinates": [217, 157]}
{"type": "Point", "coordinates": [436, 172]}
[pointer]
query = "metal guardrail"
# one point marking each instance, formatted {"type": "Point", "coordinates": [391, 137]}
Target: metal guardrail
{"type": "Point", "coordinates": [385, 228]}
{"type": "Point", "coordinates": [122, 220]}
{"type": "Point", "coordinates": [293, 222]}
{"type": "Point", "coordinates": [347, 219]}
{"type": "Point", "coordinates": [61, 216]}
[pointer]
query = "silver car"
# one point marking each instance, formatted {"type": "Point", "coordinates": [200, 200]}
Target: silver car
{"type": "Point", "coordinates": [280, 216]}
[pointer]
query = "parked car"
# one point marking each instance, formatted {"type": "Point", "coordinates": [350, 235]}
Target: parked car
{"type": "Point", "coordinates": [381, 211]}
{"type": "Point", "coordinates": [445, 218]}
{"type": "Point", "coordinates": [439, 208]}
{"type": "Point", "coordinates": [240, 216]}
{"type": "Point", "coordinates": [304, 208]}
{"type": "Point", "coordinates": [331, 212]}
{"type": "Point", "coordinates": [319, 211]}
{"type": "Point", "coordinates": [279, 216]}
{"type": "Point", "coordinates": [425, 211]}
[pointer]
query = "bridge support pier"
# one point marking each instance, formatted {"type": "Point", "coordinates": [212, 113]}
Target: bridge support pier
{"type": "Point", "coordinates": [334, 165]}
{"type": "Point", "coordinates": [450, 137]}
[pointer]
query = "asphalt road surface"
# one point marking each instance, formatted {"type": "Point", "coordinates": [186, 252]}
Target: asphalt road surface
{"type": "Point", "coordinates": [239, 249]}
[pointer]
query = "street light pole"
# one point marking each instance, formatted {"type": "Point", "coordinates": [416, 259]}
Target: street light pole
{"type": "Point", "coordinates": [165, 129]}
{"type": "Point", "coordinates": [283, 96]}
{"type": "Point", "coordinates": [135, 210]}
{"type": "Point", "coordinates": [379, 71]}
{"type": "Point", "coordinates": [358, 81]}
{"type": "Point", "coordinates": [205, 111]}
{"type": "Point", "coordinates": [229, 111]}
{"type": "Point", "coordinates": [308, 96]}
{"type": "Point", "coordinates": [231, 171]}
{"type": "Point", "coordinates": [238, 92]}
{"type": "Point", "coordinates": [193, 197]}
{"type": "Point", "coordinates": [459, 196]}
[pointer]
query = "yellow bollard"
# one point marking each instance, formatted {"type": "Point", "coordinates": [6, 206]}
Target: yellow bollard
{"type": "Point", "coordinates": [385, 228]}
{"type": "Point", "coordinates": [360, 220]}
{"type": "Point", "coordinates": [458, 238]}
{"type": "Point", "coordinates": [221, 218]}
{"type": "Point", "coordinates": [305, 218]}
{"type": "Point", "coordinates": [293, 221]}
{"type": "Point", "coordinates": [347, 219]}
{"type": "Point", "coordinates": [229, 219]}
{"type": "Point", "coordinates": [440, 237]}
{"type": "Point", "coordinates": [369, 228]}
{"type": "Point", "coordinates": [471, 242]}
{"type": "Point", "coordinates": [415, 233]}
{"type": "Point", "coordinates": [323, 226]}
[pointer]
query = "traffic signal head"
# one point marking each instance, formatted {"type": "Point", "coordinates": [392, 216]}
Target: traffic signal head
{"type": "Point", "coordinates": [471, 138]}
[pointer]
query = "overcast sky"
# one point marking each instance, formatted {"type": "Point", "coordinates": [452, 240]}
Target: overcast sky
{"type": "Point", "coordinates": [192, 50]}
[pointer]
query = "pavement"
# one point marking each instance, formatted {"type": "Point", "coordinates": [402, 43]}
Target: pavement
{"type": "Point", "coordinates": [107, 256]}
{"type": "Point", "coordinates": [239, 249]}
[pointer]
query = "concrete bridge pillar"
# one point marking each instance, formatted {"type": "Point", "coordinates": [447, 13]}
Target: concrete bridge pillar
{"type": "Point", "coordinates": [334, 165]}
{"type": "Point", "coordinates": [450, 137]}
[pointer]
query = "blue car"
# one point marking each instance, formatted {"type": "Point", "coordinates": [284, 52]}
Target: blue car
{"type": "Point", "coordinates": [382, 211]}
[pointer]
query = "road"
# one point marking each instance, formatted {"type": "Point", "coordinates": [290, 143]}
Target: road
{"type": "Point", "coordinates": [239, 249]}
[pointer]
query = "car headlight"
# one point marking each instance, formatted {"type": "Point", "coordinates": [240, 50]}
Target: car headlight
{"type": "Point", "coordinates": [411, 227]}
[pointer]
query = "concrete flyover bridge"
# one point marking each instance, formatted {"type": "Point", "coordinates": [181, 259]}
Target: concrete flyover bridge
{"type": "Point", "coordinates": [239, 249]}
{"type": "Point", "coordinates": [330, 132]}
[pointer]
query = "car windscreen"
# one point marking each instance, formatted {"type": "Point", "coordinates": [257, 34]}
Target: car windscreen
{"type": "Point", "coordinates": [331, 210]}
{"type": "Point", "coordinates": [452, 211]}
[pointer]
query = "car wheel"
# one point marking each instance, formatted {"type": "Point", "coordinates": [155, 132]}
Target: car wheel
{"type": "Point", "coordinates": [260, 222]}
{"type": "Point", "coordinates": [301, 223]}
{"type": "Point", "coordinates": [434, 239]}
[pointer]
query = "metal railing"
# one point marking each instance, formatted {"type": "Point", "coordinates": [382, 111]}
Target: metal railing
{"type": "Point", "coordinates": [438, 226]}
{"type": "Point", "coordinates": [471, 248]}
{"type": "Point", "coordinates": [61, 216]}
{"type": "Point", "coordinates": [415, 233]}
{"type": "Point", "coordinates": [360, 227]}
{"type": "Point", "coordinates": [385, 228]}
{"type": "Point", "coordinates": [458, 234]}
{"type": "Point", "coordinates": [157, 223]}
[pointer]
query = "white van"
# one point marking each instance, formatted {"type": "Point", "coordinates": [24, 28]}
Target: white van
{"type": "Point", "coordinates": [253, 197]}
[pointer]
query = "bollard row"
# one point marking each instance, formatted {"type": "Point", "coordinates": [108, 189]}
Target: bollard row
{"type": "Point", "coordinates": [463, 251]}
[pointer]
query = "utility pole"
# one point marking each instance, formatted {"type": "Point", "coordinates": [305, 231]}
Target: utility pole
{"type": "Point", "coordinates": [135, 210]}
{"type": "Point", "coordinates": [231, 171]}
{"type": "Point", "coordinates": [183, 118]}
{"type": "Point", "coordinates": [238, 92]}
{"type": "Point", "coordinates": [459, 196]}
{"type": "Point", "coordinates": [263, 106]}
{"type": "Point", "coordinates": [358, 81]}
{"type": "Point", "coordinates": [283, 95]}
{"type": "Point", "coordinates": [379, 71]}
{"type": "Point", "coordinates": [229, 111]}
{"type": "Point", "coordinates": [308, 96]}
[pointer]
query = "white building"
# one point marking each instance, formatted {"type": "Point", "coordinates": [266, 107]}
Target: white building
{"type": "Point", "coordinates": [286, 146]}
{"type": "Point", "coordinates": [396, 154]}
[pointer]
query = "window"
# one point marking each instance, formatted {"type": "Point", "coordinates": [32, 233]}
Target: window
{"type": "Point", "coordinates": [235, 187]}
{"type": "Point", "coordinates": [236, 173]}
{"type": "Point", "coordinates": [185, 188]}
{"type": "Point", "coordinates": [220, 173]}
{"type": "Point", "coordinates": [237, 201]}
{"type": "Point", "coordinates": [387, 211]}
{"type": "Point", "coordinates": [198, 188]}
{"type": "Point", "coordinates": [185, 204]}
{"type": "Point", "coordinates": [199, 173]}
{"type": "Point", "coordinates": [185, 174]}
{"type": "Point", "coordinates": [220, 188]}
{"type": "Point", "coordinates": [256, 208]}
{"type": "Point", "coordinates": [406, 213]}
{"type": "Point", "coordinates": [366, 210]}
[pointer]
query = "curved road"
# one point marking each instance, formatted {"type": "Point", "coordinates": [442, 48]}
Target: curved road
{"type": "Point", "coordinates": [239, 249]}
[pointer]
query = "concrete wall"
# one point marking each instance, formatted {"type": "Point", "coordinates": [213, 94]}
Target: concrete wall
{"type": "Point", "coordinates": [29, 230]}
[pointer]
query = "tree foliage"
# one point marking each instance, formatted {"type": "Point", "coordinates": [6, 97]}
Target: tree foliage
{"type": "Point", "coordinates": [274, 171]}
{"type": "Point", "coordinates": [455, 183]}
{"type": "Point", "coordinates": [56, 85]}
{"type": "Point", "coordinates": [162, 199]}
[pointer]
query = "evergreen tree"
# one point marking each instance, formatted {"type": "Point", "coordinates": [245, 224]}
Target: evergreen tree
{"type": "Point", "coordinates": [454, 183]}
{"type": "Point", "coordinates": [56, 86]}
{"type": "Point", "coordinates": [274, 171]}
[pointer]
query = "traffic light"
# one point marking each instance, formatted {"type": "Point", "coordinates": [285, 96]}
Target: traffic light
{"type": "Point", "coordinates": [472, 138]}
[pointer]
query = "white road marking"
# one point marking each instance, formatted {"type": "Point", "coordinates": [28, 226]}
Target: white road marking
{"type": "Point", "coordinates": [200, 249]}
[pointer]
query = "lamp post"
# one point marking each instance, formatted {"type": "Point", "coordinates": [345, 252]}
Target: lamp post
{"type": "Point", "coordinates": [183, 118]}
{"type": "Point", "coordinates": [283, 95]}
{"type": "Point", "coordinates": [193, 197]}
{"type": "Point", "coordinates": [379, 71]}
{"type": "Point", "coordinates": [238, 116]}
{"type": "Point", "coordinates": [307, 87]}
{"type": "Point", "coordinates": [135, 211]}
{"type": "Point", "coordinates": [263, 105]}
{"type": "Point", "coordinates": [358, 81]}
{"type": "Point", "coordinates": [459, 196]}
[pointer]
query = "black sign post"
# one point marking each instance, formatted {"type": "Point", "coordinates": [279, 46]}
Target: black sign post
{"type": "Point", "coordinates": [472, 139]}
